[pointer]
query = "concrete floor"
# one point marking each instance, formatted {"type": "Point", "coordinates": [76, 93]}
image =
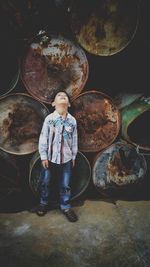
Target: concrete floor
{"type": "Point", "coordinates": [107, 235]}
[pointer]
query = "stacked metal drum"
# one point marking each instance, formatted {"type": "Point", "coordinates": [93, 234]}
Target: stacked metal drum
{"type": "Point", "coordinates": [79, 59]}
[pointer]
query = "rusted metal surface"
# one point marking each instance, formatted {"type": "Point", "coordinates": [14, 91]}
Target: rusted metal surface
{"type": "Point", "coordinates": [52, 64]}
{"type": "Point", "coordinates": [21, 119]}
{"type": "Point", "coordinates": [9, 176]}
{"type": "Point", "coordinates": [98, 120]}
{"type": "Point", "coordinates": [80, 179]}
{"type": "Point", "coordinates": [117, 166]}
{"type": "Point", "coordinates": [104, 27]}
{"type": "Point", "coordinates": [135, 123]}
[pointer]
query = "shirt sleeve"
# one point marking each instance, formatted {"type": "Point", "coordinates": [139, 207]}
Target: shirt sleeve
{"type": "Point", "coordinates": [74, 142]}
{"type": "Point", "coordinates": [43, 141]}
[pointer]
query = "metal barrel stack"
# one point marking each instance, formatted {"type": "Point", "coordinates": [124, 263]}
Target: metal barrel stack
{"type": "Point", "coordinates": [89, 49]}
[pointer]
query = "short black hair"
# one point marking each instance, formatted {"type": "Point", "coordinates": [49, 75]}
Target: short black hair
{"type": "Point", "coordinates": [60, 91]}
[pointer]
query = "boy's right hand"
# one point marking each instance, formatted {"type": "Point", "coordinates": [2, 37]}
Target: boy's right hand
{"type": "Point", "coordinates": [45, 164]}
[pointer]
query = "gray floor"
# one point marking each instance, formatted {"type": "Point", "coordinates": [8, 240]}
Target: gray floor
{"type": "Point", "coordinates": [106, 234]}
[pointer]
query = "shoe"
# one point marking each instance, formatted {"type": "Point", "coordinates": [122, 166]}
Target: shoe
{"type": "Point", "coordinates": [41, 210]}
{"type": "Point", "coordinates": [70, 214]}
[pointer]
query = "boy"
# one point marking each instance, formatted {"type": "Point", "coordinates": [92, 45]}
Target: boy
{"type": "Point", "coordinates": [58, 149]}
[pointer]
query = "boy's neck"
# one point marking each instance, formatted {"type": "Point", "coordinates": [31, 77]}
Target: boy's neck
{"type": "Point", "coordinates": [62, 111]}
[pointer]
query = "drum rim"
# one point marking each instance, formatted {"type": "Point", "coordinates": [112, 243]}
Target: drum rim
{"type": "Point", "coordinates": [118, 115]}
{"type": "Point", "coordinates": [101, 152]}
{"type": "Point", "coordinates": [118, 50]}
{"type": "Point", "coordinates": [26, 95]}
{"type": "Point", "coordinates": [59, 37]}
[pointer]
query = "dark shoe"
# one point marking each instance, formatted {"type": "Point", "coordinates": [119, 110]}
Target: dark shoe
{"type": "Point", "coordinates": [33, 209]}
{"type": "Point", "coordinates": [41, 210]}
{"type": "Point", "coordinates": [70, 214]}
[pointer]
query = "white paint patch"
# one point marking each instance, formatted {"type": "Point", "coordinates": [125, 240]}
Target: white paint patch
{"type": "Point", "coordinates": [21, 229]}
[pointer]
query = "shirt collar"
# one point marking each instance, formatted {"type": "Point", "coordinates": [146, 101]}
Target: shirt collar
{"type": "Point", "coordinates": [56, 115]}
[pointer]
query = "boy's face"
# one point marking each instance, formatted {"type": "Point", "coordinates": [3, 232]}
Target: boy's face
{"type": "Point", "coordinates": [61, 98]}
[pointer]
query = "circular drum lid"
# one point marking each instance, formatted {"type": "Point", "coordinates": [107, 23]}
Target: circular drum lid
{"type": "Point", "coordinates": [98, 121]}
{"type": "Point", "coordinates": [54, 64]}
{"type": "Point", "coordinates": [117, 166]}
{"type": "Point", "coordinates": [104, 27]}
{"type": "Point", "coordinates": [21, 120]}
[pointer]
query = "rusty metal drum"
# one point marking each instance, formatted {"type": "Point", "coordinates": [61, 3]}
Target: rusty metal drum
{"type": "Point", "coordinates": [117, 167]}
{"type": "Point", "coordinates": [21, 120]}
{"type": "Point", "coordinates": [98, 120]}
{"type": "Point", "coordinates": [80, 179]}
{"type": "Point", "coordinates": [135, 123]}
{"type": "Point", "coordinates": [104, 27]}
{"type": "Point", "coordinates": [51, 64]}
{"type": "Point", "coordinates": [9, 176]}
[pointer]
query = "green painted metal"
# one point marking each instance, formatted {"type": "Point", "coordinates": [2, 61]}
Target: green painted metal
{"type": "Point", "coordinates": [130, 113]}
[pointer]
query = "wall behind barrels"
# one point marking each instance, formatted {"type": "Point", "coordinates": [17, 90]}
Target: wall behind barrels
{"type": "Point", "coordinates": [123, 72]}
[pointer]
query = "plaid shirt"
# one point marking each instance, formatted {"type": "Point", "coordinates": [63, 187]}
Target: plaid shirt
{"type": "Point", "coordinates": [58, 140]}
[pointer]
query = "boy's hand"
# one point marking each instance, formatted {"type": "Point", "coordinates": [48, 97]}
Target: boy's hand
{"type": "Point", "coordinates": [45, 164]}
{"type": "Point", "coordinates": [73, 163]}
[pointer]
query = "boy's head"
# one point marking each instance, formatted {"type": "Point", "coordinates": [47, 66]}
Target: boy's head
{"type": "Point", "coordinates": [61, 98]}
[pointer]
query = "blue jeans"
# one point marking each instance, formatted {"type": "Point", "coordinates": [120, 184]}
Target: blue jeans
{"type": "Point", "coordinates": [61, 172]}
